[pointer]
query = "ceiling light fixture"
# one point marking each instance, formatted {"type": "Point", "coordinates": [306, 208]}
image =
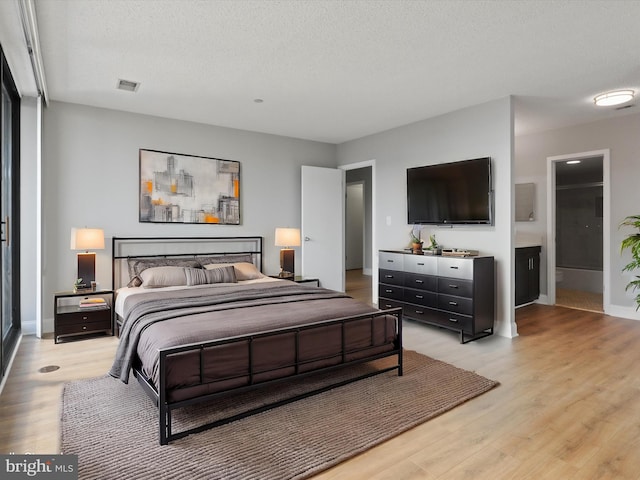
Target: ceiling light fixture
{"type": "Point", "coordinates": [258, 100]}
{"type": "Point", "coordinates": [614, 97]}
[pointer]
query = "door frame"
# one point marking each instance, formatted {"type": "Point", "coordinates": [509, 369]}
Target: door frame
{"type": "Point", "coordinates": [606, 222]}
{"type": "Point", "coordinates": [374, 258]}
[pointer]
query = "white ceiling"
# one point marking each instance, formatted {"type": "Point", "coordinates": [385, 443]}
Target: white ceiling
{"type": "Point", "coordinates": [335, 70]}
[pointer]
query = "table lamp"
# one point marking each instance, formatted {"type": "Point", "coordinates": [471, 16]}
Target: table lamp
{"type": "Point", "coordinates": [87, 239]}
{"type": "Point", "coordinates": [287, 238]}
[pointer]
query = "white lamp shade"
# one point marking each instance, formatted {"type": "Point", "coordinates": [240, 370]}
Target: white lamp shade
{"type": "Point", "coordinates": [287, 237]}
{"type": "Point", "coordinates": [87, 239]}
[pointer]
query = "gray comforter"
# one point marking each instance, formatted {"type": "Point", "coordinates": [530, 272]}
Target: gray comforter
{"type": "Point", "coordinates": [164, 319]}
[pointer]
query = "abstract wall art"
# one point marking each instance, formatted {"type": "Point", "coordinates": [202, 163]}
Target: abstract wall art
{"type": "Point", "coordinates": [176, 188]}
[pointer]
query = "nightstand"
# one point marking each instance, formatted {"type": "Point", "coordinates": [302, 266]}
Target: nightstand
{"type": "Point", "coordinates": [71, 320]}
{"type": "Point", "coordinates": [312, 282]}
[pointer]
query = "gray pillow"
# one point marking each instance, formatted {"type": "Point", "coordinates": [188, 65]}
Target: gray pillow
{"type": "Point", "coordinates": [199, 276]}
{"type": "Point", "coordinates": [163, 277]}
{"type": "Point", "coordinates": [138, 265]}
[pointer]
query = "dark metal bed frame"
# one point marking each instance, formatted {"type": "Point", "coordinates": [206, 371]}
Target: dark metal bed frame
{"type": "Point", "coordinates": [159, 396]}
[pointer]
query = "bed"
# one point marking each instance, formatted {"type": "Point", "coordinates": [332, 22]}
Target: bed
{"type": "Point", "coordinates": [198, 319]}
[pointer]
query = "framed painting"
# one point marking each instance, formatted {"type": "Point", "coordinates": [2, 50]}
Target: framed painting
{"type": "Point", "coordinates": [176, 188]}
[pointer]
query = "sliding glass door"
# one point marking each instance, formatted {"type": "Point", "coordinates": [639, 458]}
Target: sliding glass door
{"type": "Point", "coordinates": [9, 214]}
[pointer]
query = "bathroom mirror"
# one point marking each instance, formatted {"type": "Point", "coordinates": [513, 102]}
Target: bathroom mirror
{"type": "Point", "coordinates": [525, 202]}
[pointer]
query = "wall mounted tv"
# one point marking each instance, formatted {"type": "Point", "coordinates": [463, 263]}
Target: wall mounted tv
{"type": "Point", "coordinates": [457, 193]}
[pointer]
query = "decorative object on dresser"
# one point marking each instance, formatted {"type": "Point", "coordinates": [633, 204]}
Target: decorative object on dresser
{"type": "Point", "coordinates": [287, 238]}
{"type": "Point", "coordinates": [454, 293]}
{"type": "Point", "coordinates": [527, 261]}
{"type": "Point", "coordinates": [86, 239]}
{"type": "Point", "coordinates": [176, 188]}
{"type": "Point", "coordinates": [79, 314]}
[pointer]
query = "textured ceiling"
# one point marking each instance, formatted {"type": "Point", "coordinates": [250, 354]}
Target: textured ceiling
{"type": "Point", "coordinates": [338, 70]}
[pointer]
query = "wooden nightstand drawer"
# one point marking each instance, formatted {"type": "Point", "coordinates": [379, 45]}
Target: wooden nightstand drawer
{"type": "Point", "coordinates": [80, 317]}
{"type": "Point", "coordinates": [86, 327]}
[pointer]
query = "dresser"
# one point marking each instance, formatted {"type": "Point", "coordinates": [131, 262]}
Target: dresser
{"type": "Point", "coordinates": [456, 293]}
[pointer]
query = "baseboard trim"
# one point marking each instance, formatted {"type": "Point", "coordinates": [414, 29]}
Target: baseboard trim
{"type": "Point", "coordinates": [623, 312]}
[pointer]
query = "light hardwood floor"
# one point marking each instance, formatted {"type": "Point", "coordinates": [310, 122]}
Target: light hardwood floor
{"type": "Point", "coordinates": [568, 404]}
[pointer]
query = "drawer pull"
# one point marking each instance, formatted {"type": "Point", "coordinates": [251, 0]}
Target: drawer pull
{"type": "Point", "coordinates": [388, 291]}
{"type": "Point", "coordinates": [390, 261]}
{"type": "Point", "coordinates": [84, 318]}
{"type": "Point", "coordinates": [84, 327]}
{"type": "Point", "coordinates": [454, 267]}
{"type": "Point", "coordinates": [419, 312]}
{"type": "Point", "coordinates": [421, 264]}
{"type": "Point", "coordinates": [419, 297]}
{"type": "Point", "coordinates": [388, 276]}
{"type": "Point", "coordinates": [419, 281]}
{"type": "Point", "coordinates": [453, 286]}
{"type": "Point", "coordinates": [455, 304]}
{"type": "Point", "coordinates": [388, 306]}
{"type": "Point", "coordinates": [454, 320]}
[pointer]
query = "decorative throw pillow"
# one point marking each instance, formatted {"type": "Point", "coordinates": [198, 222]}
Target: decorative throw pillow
{"type": "Point", "coordinates": [163, 277]}
{"type": "Point", "coordinates": [244, 270]}
{"type": "Point", "coordinates": [198, 276]}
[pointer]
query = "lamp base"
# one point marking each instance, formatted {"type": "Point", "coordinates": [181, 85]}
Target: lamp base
{"type": "Point", "coordinates": [86, 269]}
{"type": "Point", "coordinates": [287, 262]}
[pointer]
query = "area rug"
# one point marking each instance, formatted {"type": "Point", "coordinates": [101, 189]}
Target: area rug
{"type": "Point", "coordinates": [113, 427]}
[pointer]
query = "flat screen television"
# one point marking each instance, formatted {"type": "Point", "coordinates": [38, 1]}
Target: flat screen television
{"type": "Point", "coordinates": [456, 193]}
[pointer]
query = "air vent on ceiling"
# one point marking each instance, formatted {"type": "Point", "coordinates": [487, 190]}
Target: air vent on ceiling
{"type": "Point", "coordinates": [128, 85]}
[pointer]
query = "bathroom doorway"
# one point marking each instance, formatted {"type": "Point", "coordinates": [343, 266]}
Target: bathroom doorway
{"type": "Point", "coordinates": [577, 267]}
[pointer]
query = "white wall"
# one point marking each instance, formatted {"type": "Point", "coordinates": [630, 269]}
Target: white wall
{"type": "Point", "coordinates": [479, 131]}
{"type": "Point", "coordinates": [90, 171]}
{"type": "Point", "coordinates": [621, 136]}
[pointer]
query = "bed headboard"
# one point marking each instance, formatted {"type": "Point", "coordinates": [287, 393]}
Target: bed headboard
{"type": "Point", "coordinates": [126, 248]}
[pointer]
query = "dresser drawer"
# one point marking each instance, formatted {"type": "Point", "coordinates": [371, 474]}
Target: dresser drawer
{"type": "Point", "coordinates": [454, 321]}
{"type": "Point", "coordinates": [80, 317]}
{"type": "Point", "coordinates": [385, 304]}
{"type": "Point", "coordinates": [420, 297]}
{"type": "Point", "coordinates": [390, 291]}
{"type": "Point", "coordinates": [391, 261]}
{"type": "Point", "coordinates": [421, 264]}
{"type": "Point", "coordinates": [455, 304]}
{"type": "Point", "coordinates": [416, 312]}
{"type": "Point", "coordinates": [455, 286]}
{"type": "Point", "coordinates": [390, 277]}
{"type": "Point", "coordinates": [422, 282]}
{"type": "Point", "coordinates": [455, 267]}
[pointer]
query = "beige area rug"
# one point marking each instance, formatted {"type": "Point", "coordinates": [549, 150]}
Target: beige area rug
{"type": "Point", "coordinates": [113, 428]}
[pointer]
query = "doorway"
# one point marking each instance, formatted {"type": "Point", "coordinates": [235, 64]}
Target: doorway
{"type": "Point", "coordinates": [578, 230]}
{"type": "Point", "coordinates": [359, 249]}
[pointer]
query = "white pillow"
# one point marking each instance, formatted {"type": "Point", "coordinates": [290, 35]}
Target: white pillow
{"type": "Point", "coordinates": [163, 277]}
{"type": "Point", "coordinates": [244, 270]}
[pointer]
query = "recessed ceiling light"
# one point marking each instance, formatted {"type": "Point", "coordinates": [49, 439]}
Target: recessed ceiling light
{"type": "Point", "coordinates": [128, 85]}
{"type": "Point", "coordinates": [572, 162]}
{"type": "Point", "coordinates": [258, 100]}
{"type": "Point", "coordinates": [615, 97]}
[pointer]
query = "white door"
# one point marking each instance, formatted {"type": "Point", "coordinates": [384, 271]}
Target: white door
{"type": "Point", "coordinates": [322, 225]}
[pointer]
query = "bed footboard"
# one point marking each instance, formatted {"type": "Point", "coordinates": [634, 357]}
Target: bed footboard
{"type": "Point", "coordinates": [348, 353]}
